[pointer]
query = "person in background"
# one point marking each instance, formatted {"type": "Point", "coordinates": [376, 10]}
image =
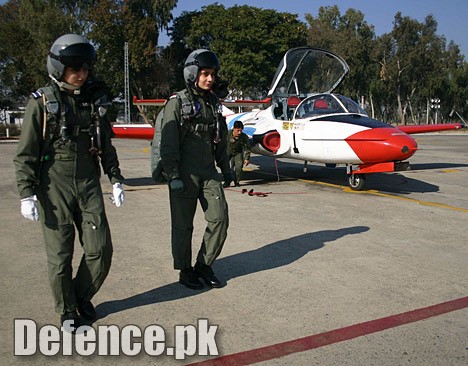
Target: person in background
{"type": "Point", "coordinates": [238, 150]}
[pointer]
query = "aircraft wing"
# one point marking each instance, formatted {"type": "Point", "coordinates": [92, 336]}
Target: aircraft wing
{"type": "Point", "coordinates": [146, 131]}
{"type": "Point", "coordinates": [246, 102]}
{"type": "Point", "coordinates": [151, 102]}
{"type": "Point", "coordinates": [226, 102]}
{"type": "Point", "coordinates": [133, 131]}
{"type": "Point", "coordinates": [410, 129]}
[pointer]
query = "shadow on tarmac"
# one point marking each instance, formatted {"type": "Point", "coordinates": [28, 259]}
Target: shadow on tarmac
{"type": "Point", "coordinates": [392, 182]}
{"type": "Point", "coordinates": [386, 182]}
{"type": "Point", "coordinates": [430, 166]}
{"type": "Point", "coordinates": [274, 255]}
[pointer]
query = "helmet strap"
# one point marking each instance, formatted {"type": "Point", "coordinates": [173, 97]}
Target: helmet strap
{"type": "Point", "coordinates": [66, 86]}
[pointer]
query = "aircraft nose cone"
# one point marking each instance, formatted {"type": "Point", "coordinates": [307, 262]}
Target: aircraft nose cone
{"type": "Point", "coordinates": [382, 145]}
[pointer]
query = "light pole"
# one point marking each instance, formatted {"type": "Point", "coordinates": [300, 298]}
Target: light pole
{"type": "Point", "coordinates": [435, 104]}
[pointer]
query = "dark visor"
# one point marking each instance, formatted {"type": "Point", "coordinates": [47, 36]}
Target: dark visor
{"type": "Point", "coordinates": [205, 60]}
{"type": "Point", "coordinates": [76, 55]}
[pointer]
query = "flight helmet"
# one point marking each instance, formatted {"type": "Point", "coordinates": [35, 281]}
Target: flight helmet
{"type": "Point", "coordinates": [70, 50]}
{"type": "Point", "coordinates": [197, 60]}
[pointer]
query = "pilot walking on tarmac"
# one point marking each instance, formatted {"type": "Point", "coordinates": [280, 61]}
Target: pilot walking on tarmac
{"type": "Point", "coordinates": [193, 142]}
{"type": "Point", "coordinates": [238, 150]}
{"type": "Point", "coordinates": [63, 141]}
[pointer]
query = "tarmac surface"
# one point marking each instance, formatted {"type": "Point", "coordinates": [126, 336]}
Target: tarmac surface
{"type": "Point", "coordinates": [316, 274]}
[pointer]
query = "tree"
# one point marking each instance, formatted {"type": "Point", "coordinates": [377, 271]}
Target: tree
{"type": "Point", "coordinates": [249, 41]}
{"type": "Point", "coordinates": [382, 95]}
{"type": "Point", "coordinates": [415, 64]}
{"type": "Point", "coordinates": [28, 29]}
{"type": "Point", "coordinates": [349, 36]}
{"type": "Point", "coordinates": [455, 87]}
{"type": "Point", "coordinates": [138, 22]}
{"type": "Point", "coordinates": [178, 50]}
{"type": "Point", "coordinates": [397, 72]}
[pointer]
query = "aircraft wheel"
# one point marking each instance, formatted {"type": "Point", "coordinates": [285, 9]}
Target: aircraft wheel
{"type": "Point", "coordinates": [357, 181]}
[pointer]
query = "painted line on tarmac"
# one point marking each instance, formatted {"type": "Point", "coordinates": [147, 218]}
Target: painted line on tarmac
{"type": "Point", "coordinates": [425, 203]}
{"type": "Point", "coordinates": [378, 193]}
{"type": "Point", "coordinates": [144, 150]}
{"type": "Point", "coordinates": [335, 336]}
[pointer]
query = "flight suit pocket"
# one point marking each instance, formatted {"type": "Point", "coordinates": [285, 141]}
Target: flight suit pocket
{"type": "Point", "coordinates": [94, 238]}
{"type": "Point", "coordinates": [214, 203]}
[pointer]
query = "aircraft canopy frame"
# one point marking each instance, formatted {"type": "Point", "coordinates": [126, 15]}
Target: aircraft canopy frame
{"type": "Point", "coordinates": [306, 70]}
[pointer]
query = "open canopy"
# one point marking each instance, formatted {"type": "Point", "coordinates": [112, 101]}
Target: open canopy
{"type": "Point", "coordinates": [306, 70]}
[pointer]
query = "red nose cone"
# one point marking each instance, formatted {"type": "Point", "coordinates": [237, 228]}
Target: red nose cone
{"type": "Point", "coordinates": [382, 144]}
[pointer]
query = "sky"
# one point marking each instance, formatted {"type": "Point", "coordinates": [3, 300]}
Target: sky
{"type": "Point", "coordinates": [451, 15]}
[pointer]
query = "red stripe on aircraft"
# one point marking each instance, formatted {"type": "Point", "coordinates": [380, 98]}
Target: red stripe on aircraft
{"type": "Point", "coordinates": [338, 335]}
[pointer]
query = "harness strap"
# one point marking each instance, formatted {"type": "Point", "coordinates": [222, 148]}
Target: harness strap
{"type": "Point", "coordinates": [44, 124]}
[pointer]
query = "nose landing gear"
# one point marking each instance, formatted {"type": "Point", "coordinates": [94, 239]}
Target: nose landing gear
{"type": "Point", "coordinates": [356, 181]}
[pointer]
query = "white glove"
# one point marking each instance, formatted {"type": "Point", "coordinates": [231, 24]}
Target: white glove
{"type": "Point", "coordinates": [118, 195]}
{"type": "Point", "coordinates": [29, 208]}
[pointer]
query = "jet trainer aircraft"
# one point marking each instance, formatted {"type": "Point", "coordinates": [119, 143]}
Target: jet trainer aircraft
{"type": "Point", "coordinates": [305, 121]}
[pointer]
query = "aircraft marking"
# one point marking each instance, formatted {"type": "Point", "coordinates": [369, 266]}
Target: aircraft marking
{"type": "Point", "coordinates": [236, 118]}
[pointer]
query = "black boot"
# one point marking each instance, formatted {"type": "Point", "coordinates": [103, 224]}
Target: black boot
{"type": "Point", "coordinates": [86, 309]}
{"type": "Point", "coordinates": [75, 321]}
{"type": "Point", "coordinates": [206, 272]}
{"type": "Point", "coordinates": [189, 278]}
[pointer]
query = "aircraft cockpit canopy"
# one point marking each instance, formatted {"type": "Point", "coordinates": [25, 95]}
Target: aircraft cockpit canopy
{"type": "Point", "coordinates": [320, 104]}
{"type": "Point", "coordinates": [307, 70]}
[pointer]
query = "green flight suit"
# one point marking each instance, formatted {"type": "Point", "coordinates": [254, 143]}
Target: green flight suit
{"type": "Point", "coordinates": [189, 153]}
{"type": "Point", "coordinates": [69, 194]}
{"type": "Point", "coordinates": [238, 152]}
